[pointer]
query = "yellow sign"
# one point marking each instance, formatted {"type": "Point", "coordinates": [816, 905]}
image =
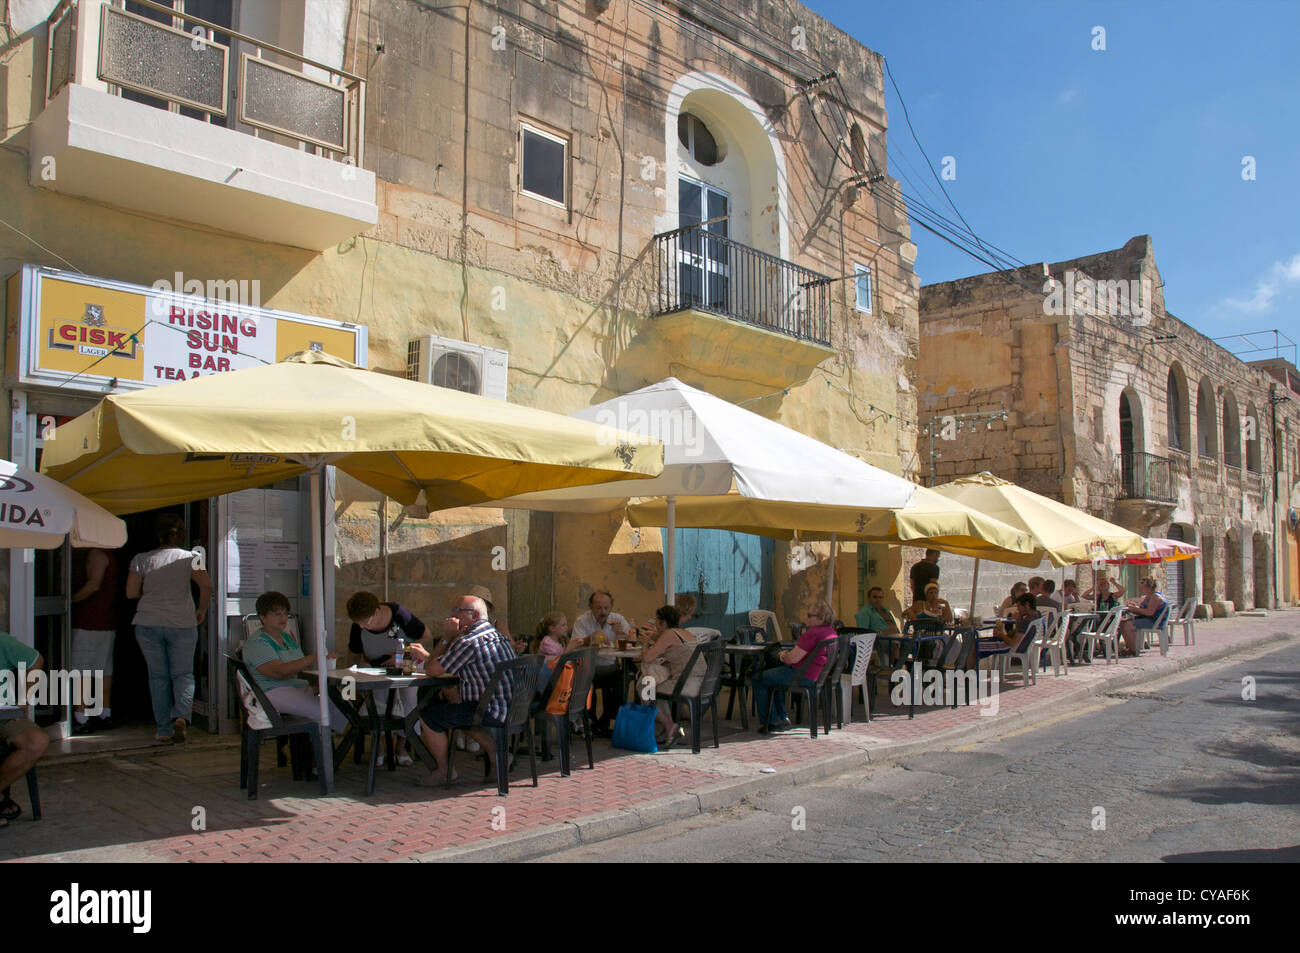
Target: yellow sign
{"type": "Point", "coordinates": [93, 330]}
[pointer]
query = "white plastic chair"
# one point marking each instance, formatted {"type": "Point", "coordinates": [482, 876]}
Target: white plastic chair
{"type": "Point", "coordinates": [703, 634]}
{"type": "Point", "coordinates": [1185, 618]}
{"type": "Point", "coordinates": [1160, 630]}
{"type": "Point", "coordinates": [1106, 633]}
{"type": "Point", "coordinates": [1028, 659]}
{"type": "Point", "coordinates": [866, 644]}
{"type": "Point", "coordinates": [1053, 643]}
{"type": "Point", "coordinates": [760, 618]}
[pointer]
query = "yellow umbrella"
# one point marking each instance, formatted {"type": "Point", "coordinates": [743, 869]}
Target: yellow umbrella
{"type": "Point", "coordinates": [931, 520]}
{"type": "Point", "coordinates": [226, 432]}
{"type": "Point", "coordinates": [1064, 534]}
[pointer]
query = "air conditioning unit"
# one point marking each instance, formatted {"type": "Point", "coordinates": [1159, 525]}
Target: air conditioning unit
{"type": "Point", "coordinates": [470, 368]}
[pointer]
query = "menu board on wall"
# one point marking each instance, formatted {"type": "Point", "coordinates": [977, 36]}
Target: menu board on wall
{"type": "Point", "coordinates": [262, 538]}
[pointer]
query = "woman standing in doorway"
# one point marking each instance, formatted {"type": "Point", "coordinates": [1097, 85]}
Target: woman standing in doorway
{"type": "Point", "coordinates": [166, 623]}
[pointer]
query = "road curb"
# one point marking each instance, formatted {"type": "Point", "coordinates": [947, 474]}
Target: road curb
{"type": "Point", "coordinates": [528, 845]}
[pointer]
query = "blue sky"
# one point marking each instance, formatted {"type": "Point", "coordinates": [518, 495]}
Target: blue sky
{"type": "Point", "coordinates": [1061, 150]}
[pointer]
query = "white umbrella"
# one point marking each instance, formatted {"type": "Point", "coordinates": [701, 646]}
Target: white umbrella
{"type": "Point", "coordinates": [37, 512]}
{"type": "Point", "coordinates": [712, 448]}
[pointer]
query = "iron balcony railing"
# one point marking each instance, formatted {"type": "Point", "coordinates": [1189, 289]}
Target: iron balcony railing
{"type": "Point", "coordinates": [1144, 476]}
{"type": "Point", "coordinates": [182, 64]}
{"type": "Point", "coordinates": [696, 268]}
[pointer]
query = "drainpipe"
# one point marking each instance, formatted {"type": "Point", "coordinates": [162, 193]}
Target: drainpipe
{"type": "Point", "coordinates": [1277, 516]}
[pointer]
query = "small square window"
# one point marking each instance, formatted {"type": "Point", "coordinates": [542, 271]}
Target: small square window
{"type": "Point", "coordinates": [542, 173]}
{"type": "Point", "coordinates": [862, 287]}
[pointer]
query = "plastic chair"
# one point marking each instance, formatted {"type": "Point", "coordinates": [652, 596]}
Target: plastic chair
{"type": "Point", "coordinates": [1026, 653]}
{"type": "Point", "coordinates": [761, 617]}
{"type": "Point", "coordinates": [710, 651]}
{"type": "Point", "coordinates": [865, 643]}
{"type": "Point", "coordinates": [1107, 633]}
{"type": "Point", "coordinates": [953, 658]}
{"type": "Point", "coordinates": [521, 675]}
{"type": "Point", "coordinates": [833, 695]}
{"type": "Point", "coordinates": [255, 708]}
{"type": "Point", "coordinates": [1053, 643]}
{"type": "Point", "coordinates": [703, 633]}
{"type": "Point", "coordinates": [1159, 630]}
{"type": "Point", "coordinates": [1186, 619]}
{"type": "Point", "coordinates": [811, 693]}
{"type": "Point", "coordinates": [33, 790]}
{"type": "Point", "coordinates": [584, 673]}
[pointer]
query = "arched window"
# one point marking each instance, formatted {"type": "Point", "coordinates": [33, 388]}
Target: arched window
{"type": "Point", "coordinates": [698, 140]}
{"type": "Point", "coordinates": [1231, 431]}
{"type": "Point", "coordinates": [1207, 422]}
{"type": "Point", "coordinates": [1176, 416]}
{"type": "Point", "coordinates": [1252, 425]}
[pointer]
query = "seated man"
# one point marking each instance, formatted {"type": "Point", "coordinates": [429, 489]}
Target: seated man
{"type": "Point", "coordinates": [472, 658]}
{"type": "Point", "coordinates": [1045, 598]}
{"type": "Point", "coordinates": [874, 617]}
{"type": "Point", "coordinates": [27, 739]}
{"type": "Point", "coordinates": [1025, 611]}
{"type": "Point", "coordinates": [1069, 594]}
{"type": "Point", "coordinates": [1009, 602]}
{"type": "Point", "coordinates": [601, 622]}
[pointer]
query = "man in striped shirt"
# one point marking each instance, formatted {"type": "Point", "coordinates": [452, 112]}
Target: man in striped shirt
{"type": "Point", "coordinates": [472, 658]}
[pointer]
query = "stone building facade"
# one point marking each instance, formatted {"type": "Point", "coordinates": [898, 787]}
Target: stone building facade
{"type": "Point", "coordinates": [511, 179]}
{"type": "Point", "coordinates": [1118, 407]}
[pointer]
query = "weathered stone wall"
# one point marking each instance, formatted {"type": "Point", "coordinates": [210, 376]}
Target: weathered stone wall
{"type": "Point", "coordinates": [1062, 366]}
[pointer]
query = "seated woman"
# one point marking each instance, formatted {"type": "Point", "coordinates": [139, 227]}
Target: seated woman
{"type": "Point", "coordinates": [1144, 612]}
{"type": "Point", "coordinates": [814, 640]}
{"type": "Point", "coordinates": [667, 653]}
{"type": "Point", "coordinates": [1024, 612]}
{"type": "Point", "coordinates": [931, 607]}
{"type": "Point", "coordinates": [1009, 602]}
{"type": "Point", "coordinates": [1107, 593]}
{"type": "Point", "coordinates": [376, 627]}
{"type": "Point", "coordinates": [275, 658]}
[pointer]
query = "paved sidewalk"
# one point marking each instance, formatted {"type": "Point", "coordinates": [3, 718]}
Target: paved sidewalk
{"type": "Point", "coordinates": [163, 805]}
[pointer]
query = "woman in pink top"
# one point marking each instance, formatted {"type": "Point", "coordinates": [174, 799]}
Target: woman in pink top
{"type": "Point", "coordinates": [815, 640]}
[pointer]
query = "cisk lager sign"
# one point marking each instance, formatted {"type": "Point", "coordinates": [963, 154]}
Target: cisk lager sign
{"type": "Point", "coordinates": [84, 333]}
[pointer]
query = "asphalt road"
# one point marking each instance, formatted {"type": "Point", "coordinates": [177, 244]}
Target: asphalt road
{"type": "Point", "coordinates": [1179, 770]}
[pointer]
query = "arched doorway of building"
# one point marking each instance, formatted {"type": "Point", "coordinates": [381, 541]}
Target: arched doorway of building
{"type": "Point", "coordinates": [1261, 557]}
{"type": "Point", "coordinates": [1233, 589]}
{"type": "Point", "coordinates": [1131, 444]}
{"type": "Point", "coordinates": [1180, 576]}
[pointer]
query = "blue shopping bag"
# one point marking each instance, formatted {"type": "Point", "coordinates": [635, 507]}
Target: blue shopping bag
{"type": "Point", "coordinates": [634, 729]}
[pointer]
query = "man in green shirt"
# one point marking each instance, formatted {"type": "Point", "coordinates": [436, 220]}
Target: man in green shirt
{"type": "Point", "coordinates": [874, 617]}
{"type": "Point", "coordinates": [27, 741]}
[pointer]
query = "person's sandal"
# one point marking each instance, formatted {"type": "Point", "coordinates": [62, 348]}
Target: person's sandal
{"type": "Point", "coordinates": [679, 734]}
{"type": "Point", "coordinates": [9, 809]}
{"type": "Point", "coordinates": [178, 731]}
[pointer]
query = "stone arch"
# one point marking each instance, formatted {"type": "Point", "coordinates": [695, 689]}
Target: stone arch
{"type": "Point", "coordinates": [751, 167]}
{"type": "Point", "coordinates": [1263, 561]}
{"type": "Point", "coordinates": [1178, 417]}
{"type": "Point", "coordinates": [1207, 421]}
{"type": "Point", "coordinates": [1132, 441]}
{"type": "Point", "coordinates": [1252, 428]}
{"type": "Point", "coordinates": [1231, 430]}
{"type": "Point", "coordinates": [1233, 581]}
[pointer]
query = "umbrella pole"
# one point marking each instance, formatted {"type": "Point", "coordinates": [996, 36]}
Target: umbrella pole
{"type": "Point", "coordinates": [974, 583]}
{"type": "Point", "coordinates": [830, 576]}
{"type": "Point", "coordinates": [670, 554]}
{"type": "Point", "coordinates": [326, 767]}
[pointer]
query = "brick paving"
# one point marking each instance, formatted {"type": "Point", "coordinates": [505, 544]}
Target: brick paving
{"type": "Point", "coordinates": [141, 805]}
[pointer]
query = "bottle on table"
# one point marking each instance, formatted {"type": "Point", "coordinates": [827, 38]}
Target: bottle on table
{"type": "Point", "coordinates": [399, 657]}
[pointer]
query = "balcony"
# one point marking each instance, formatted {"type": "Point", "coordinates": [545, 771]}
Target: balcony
{"type": "Point", "coordinates": [1180, 463]}
{"type": "Point", "coordinates": [1207, 468]}
{"type": "Point", "coordinates": [721, 304]}
{"type": "Point", "coordinates": [154, 117]}
{"type": "Point", "coordinates": [1147, 495]}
